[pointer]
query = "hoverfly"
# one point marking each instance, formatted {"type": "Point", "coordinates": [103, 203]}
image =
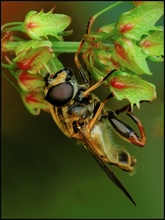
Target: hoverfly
{"type": "Point", "coordinates": [80, 115]}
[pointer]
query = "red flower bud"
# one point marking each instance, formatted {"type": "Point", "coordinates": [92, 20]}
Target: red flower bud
{"type": "Point", "coordinates": [34, 59]}
{"type": "Point", "coordinates": [35, 102]}
{"type": "Point", "coordinates": [29, 82]}
{"type": "Point", "coordinates": [39, 25]}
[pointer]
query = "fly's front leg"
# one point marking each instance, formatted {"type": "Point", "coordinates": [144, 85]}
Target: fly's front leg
{"type": "Point", "coordinates": [85, 76]}
{"type": "Point", "coordinates": [102, 104]}
{"type": "Point", "coordinates": [125, 131]}
{"type": "Point", "coordinates": [96, 85]}
{"type": "Point", "coordinates": [88, 30]}
{"type": "Point", "coordinates": [99, 83]}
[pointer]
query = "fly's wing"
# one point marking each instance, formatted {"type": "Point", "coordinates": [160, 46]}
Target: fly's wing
{"type": "Point", "coordinates": [105, 167]}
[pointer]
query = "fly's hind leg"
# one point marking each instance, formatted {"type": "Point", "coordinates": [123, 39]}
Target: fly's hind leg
{"type": "Point", "coordinates": [124, 130]}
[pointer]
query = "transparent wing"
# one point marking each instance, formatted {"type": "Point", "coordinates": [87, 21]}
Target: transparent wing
{"type": "Point", "coordinates": [105, 167]}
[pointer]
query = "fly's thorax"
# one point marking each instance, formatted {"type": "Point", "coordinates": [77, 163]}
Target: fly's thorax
{"type": "Point", "coordinates": [84, 109]}
{"type": "Point", "coordinates": [76, 114]}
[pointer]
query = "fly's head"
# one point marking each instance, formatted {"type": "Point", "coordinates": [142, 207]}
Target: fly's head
{"type": "Point", "coordinates": [61, 87]}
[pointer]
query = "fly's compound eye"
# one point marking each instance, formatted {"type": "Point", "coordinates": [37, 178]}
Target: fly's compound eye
{"type": "Point", "coordinates": [60, 94]}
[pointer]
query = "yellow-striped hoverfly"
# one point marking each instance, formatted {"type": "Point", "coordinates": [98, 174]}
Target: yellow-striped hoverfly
{"type": "Point", "coordinates": [82, 116]}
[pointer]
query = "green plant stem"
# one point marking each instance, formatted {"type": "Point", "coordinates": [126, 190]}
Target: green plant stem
{"type": "Point", "coordinates": [106, 9]}
{"type": "Point", "coordinates": [57, 46]}
{"type": "Point", "coordinates": [11, 24]}
{"type": "Point", "coordinates": [16, 87]}
{"type": "Point", "coordinates": [69, 47]}
{"type": "Point", "coordinates": [101, 12]}
{"type": "Point", "coordinates": [66, 47]}
{"type": "Point", "coordinates": [7, 66]}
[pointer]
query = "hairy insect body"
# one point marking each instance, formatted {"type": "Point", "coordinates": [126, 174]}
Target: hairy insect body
{"type": "Point", "coordinates": [80, 115]}
{"type": "Point", "coordinates": [73, 120]}
{"type": "Point", "coordinates": [75, 114]}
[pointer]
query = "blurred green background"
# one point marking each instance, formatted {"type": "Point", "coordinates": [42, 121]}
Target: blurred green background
{"type": "Point", "coordinates": [45, 174]}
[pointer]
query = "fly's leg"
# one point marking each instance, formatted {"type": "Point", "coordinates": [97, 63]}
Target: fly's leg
{"type": "Point", "coordinates": [99, 83]}
{"type": "Point", "coordinates": [85, 75]}
{"type": "Point", "coordinates": [102, 104]}
{"type": "Point", "coordinates": [95, 86]}
{"type": "Point", "coordinates": [124, 130]}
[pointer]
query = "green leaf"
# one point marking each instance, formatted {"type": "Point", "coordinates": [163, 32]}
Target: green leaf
{"type": "Point", "coordinates": [29, 82]}
{"type": "Point", "coordinates": [130, 56]}
{"type": "Point", "coordinates": [34, 102]}
{"type": "Point", "coordinates": [131, 87]}
{"type": "Point", "coordinates": [52, 66]}
{"type": "Point", "coordinates": [34, 59]}
{"type": "Point", "coordinates": [156, 59]}
{"type": "Point", "coordinates": [140, 20]}
{"type": "Point", "coordinates": [102, 59]}
{"type": "Point", "coordinates": [153, 44]}
{"type": "Point", "coordinates": [39, 25]}
{"type": "Point", "coordinates": [23, 47]}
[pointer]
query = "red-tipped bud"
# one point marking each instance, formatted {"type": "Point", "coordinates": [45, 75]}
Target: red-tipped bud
{"type": "Point", "coordinates": [39, 25]}
{"type": "Point", "coordinates": [29, 82]}
{"type": "Point", "coordinates": [34, 59]}
{"type": "Point", "coordinates": [35, 102]}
